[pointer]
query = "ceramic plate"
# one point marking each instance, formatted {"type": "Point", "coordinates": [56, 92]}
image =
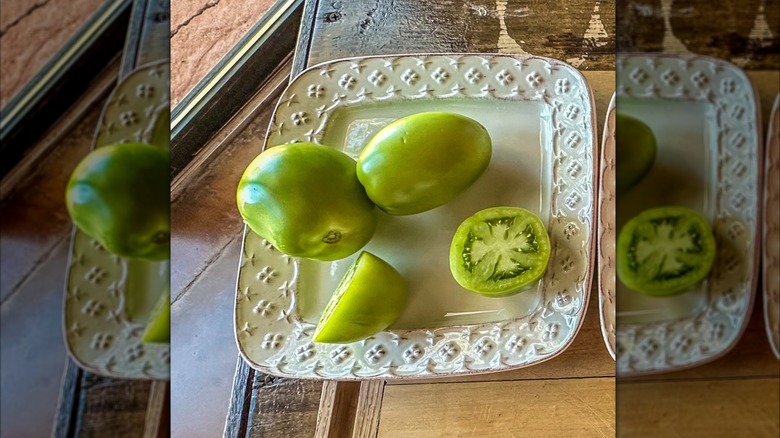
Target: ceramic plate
{"type": "Point", "coordinates": [705, 117]}
{"type": "Point", "coordinates": [606, 230]}
{"type": "Point", "coordinates": [772, 230]}
{"type": "Point", "coordinates": [539, 113]}
{"type": "Point", "coordinates": [108, 298]}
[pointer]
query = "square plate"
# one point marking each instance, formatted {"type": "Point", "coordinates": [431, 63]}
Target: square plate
{"type": "Point", "coordinates": [705, 116]}
{"type": "Point", "coordinates": [539, 113]}
{"type": "Point", "coordinates": [606, 230]}
{"type": "Point", "coordinates": [772, 230]}
{"type": "Point", "coordinates": [109, 298]}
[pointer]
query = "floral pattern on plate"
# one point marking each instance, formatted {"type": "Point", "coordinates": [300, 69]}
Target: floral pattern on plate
{"type": "Point", "coordinates": [726, 92]}
{"type": "Point", "coordinates": [273, 338]}
{"type": "Point", "coordinates": [99, 334]}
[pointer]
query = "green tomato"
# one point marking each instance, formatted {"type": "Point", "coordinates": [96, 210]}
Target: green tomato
{"type": "Point", "coordinates": [158, 328]}
{"type": "Point", "coordinates": [664, 251]}
{"type": "Point", "coordinates": [369, 298]}
{"type": "Point", "coordinates": [306, 200]}
{"type": "Point", "coordinates": [635, 149]}
{"type": "Point", "coordinates": [120, 196]}
{"type": "Point", "coordinates": [422, 161]}
{"type": "Point", "coordinates": [500, 250]}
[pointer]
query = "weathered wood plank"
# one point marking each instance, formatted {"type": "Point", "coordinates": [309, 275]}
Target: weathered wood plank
{"type": "Point", "coordinates": [368, 409]}
{"type": "Point", "coordinates": [157, 420]}
{"type": "Point", "coordinates": [283, 407]}
{"type": "Point", "coordinates": [554, 408]}
{"type": "Point", "coordinates": [241, 398]}
{"type": "Point", "coordinates": [114, 405]}
{"type": "Point", "coordinates": [711, 408]}
{"type": "Point", "coordinates": [741, 31]}
{"type": "Point", "coordinates": [336, 415]}
{"type": "Point", "coordinates": [580, 31]}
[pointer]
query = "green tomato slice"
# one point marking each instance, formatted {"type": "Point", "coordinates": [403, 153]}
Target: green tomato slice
{"type": "Point", "coordinates": [370, 297]}
{"type": "Point", "coordinates": [158, 329]}
{"type": "Point", "coordinates": [664, 251]}
{"type": "Point", "coordinates": [499, 250]}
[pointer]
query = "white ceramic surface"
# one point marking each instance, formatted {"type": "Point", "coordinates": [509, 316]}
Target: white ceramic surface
{"type": "Point", "coordinates": [109, 298]}
{"type": "Point", "coordinates": [705, 117]}
{"type": "Point", "coordinates": [771, 267]}
{"type": "Point", "coordinates": [606, 230]}
{"type": "Point", "coordinates": [540, 115]}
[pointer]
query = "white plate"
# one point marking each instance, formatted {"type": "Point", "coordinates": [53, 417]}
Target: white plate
{"type": "Point", "coordinates": [539, 113]}
{"type": "Point", "coordinates": [109, 298]}
{"type": "Point", "coordinates": [705, 116]}
{"type": "Point", "coordinates": [772, 230]}
{"type": "Point", "coordinates": [606, 237]}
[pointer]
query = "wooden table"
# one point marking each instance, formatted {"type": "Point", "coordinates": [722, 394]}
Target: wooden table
{"type": "Point", "coordinates": [578, 385]}
{"type": "Point", "coordinates": [574, 392]}
{"type": "Point", "coordinates": [44, 392]}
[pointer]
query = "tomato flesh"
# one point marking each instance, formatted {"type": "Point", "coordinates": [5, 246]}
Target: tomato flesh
{"type": "Point", "coordinates": [664, 251]}
{"type": "Point", "coordinates": [369, 298]}
{"type": "Point", "coordinates": [498, 251]}
{"type": "Point", "coordinates": [158, 328]}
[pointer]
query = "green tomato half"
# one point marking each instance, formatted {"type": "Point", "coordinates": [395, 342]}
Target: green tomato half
{"type": "Point", "coordinates": [120, 196]}
{"type": "Point", "coordinates": [306, 200]}
{"type": "Point", "coordinates": [158, 328]}
{"type": "Point", "coordinates": [369, 298]}
{"type": "Point", "coordinates": [499, 251]}
{"type": "Point", "coordinates": [422, 161]}
{"type": "Point", "coordinates": [664, 251]}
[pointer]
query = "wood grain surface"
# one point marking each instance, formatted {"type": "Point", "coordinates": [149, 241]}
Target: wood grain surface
{"type": "Point", "coordinates": [580, 31]}
{"type": "Point", "coordinates": [708, 408]}
{"type": "Point", "coordinates": [745, 32]}
{"type": "Point", "coordinates": [538, 408]}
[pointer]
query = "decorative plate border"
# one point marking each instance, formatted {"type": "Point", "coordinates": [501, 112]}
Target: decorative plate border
{"type": "Point", "coordinates": [772, 230]}
{"type": "Point", "coordinates": [708, 335]}
{"type": "Point", "coordinates": [270, 335]}
{"type": "Point", "coordinates": [98, 335]}
{"type": "Point", "coordinates": [606, 231]}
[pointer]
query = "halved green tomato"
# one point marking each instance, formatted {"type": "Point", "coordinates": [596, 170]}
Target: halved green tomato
{"type": "Point", "coordinates": [499, 250]}
{"type": "Point", "coordinates": [664, 251]}
{"type": "Point", "coordinates": [158, 328]}
{"type": "Point", "coordinates": [369, 298]}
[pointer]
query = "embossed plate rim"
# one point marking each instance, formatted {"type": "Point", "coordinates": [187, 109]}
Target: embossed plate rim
{"type": "Point", "coordinates": [160, 102]}
{"type": "Point", "coordinates": [770, 191]}
{"type": "Point", "coordinates": [606, 260]}
{"type": "Point", "coordinates": [717, 66]}
{"type": "Point", "coordinates": [579, 126]}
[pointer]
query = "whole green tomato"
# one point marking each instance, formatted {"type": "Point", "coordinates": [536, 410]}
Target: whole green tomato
{"type": "Point", "coordinates": [422, 161]}
{"type": "Point", "coordinates": [635, 151]}
{"type": "Point", "coordinates": [306, 200]}
{"type": "Point", "coordinates": [120, 196]}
